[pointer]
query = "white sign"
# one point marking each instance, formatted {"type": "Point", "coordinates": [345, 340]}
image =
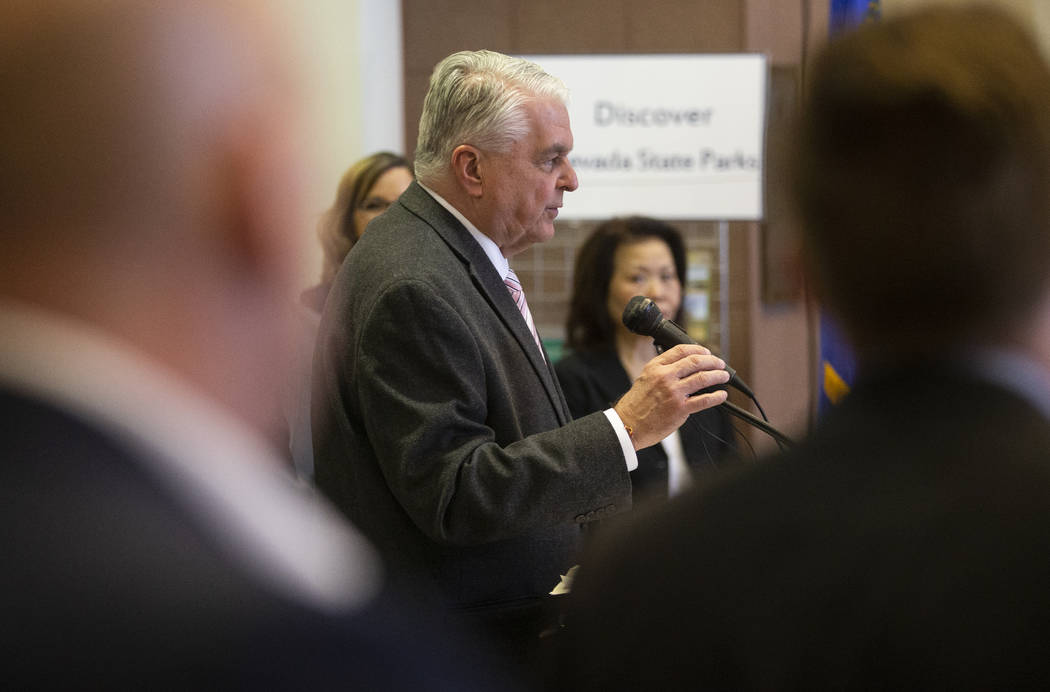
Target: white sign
{"type": "Point", "coordinates": [669, 136]}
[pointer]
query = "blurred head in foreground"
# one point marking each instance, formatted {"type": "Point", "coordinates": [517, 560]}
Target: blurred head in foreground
{"type": "Point", "coordinates": [150, 183]}
{"type": "Point", "coordinates": [922, 170]}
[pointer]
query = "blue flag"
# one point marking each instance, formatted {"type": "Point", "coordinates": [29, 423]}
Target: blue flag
{"type": "Point", "coordinates": [837, 364]}
{"type": "Point", "coordinates": [846, 14]}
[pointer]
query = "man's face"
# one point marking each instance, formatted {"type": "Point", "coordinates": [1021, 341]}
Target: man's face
{"type": "Point", "coordinates": [523, 187]}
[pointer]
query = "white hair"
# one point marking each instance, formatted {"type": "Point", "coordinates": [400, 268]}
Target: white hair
{"type": "Point", "coordinates": [476, 97]}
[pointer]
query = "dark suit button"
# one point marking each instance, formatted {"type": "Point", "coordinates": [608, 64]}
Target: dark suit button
{"type": "Point", "coordinates": [580, 518]}
{"type": "Point", "coordinates": [611, 508]}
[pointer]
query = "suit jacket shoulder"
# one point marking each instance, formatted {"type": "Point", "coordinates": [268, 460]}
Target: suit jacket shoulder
{"type": "Point", "coordinates": [112, 582]}
{"type": "Point", "coordinates": [914, 514]}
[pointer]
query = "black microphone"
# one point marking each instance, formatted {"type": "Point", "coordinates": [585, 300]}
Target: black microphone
{"type": "Point", "coordinates": [642, 316]}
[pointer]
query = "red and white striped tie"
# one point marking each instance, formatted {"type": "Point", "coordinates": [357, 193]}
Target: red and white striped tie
{"type": "Point", "coordinates": [517, 294]}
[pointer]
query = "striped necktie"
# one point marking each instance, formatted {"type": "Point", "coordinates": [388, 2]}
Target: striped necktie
{"type": "Point", "coordinates": [517, 294]}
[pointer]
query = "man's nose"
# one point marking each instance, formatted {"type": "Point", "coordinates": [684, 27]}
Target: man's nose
{"type": "Point", "coordinates": [568, 181]}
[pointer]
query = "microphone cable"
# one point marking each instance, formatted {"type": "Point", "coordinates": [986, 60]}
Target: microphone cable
{"type": "Point", "coordinates": [643, 316]}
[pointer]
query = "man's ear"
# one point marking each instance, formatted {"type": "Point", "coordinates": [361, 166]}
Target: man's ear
{"type": "Point", "coordinates": [260, 193]}
{"type": "Point", "coordinates": [466, 168]}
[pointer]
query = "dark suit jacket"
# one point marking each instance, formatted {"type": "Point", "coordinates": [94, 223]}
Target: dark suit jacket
{"type": "Point", "coordinates": [441, 430]}
{"type": "Point", "coordinates": [595, 380]}
{"type": "Point", "coordinates": [110, 582]}
{"type": "Point", "coordinates": [905, 545]}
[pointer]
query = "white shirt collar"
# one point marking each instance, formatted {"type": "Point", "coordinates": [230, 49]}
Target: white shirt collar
{"type": "Point", "coordinates": [213, 464]}
{"type": "Point", "coordinates": [487, 244]}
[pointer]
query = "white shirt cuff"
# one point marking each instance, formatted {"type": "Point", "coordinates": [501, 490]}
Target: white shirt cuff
{"type": "Point", "coordinates": [629, 455]}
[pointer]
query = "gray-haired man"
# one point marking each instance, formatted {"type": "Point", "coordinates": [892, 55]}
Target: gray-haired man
{"type": "Point", "coordinates": [440, 427]}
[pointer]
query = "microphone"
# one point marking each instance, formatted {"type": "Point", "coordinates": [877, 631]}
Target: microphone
{"type": "Point", "coordinates": [642, 316]}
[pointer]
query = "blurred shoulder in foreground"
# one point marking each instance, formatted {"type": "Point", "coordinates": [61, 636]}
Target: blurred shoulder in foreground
{"type": "Point", "coordinates": [148, 198]}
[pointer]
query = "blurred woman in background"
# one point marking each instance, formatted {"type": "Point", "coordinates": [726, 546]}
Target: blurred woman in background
{"type": "Point", "coordinates": [623, 258]}
{"type": "Point", "coordinates": [366, 190]}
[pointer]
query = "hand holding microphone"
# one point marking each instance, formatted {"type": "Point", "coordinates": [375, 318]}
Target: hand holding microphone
{"type": "Point", "coordinates": [665, 394]}
{"type": "Point", "coordinates": [642, 316]}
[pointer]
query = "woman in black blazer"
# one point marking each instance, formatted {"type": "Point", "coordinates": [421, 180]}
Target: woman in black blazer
{"type": "Point", "coordinates": [623, 258]}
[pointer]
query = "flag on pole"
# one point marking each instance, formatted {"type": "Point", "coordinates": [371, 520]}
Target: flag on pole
{"type": "Point", "coordinates": [837, 364]}
{"type": "Point", "coordinates": [847, 14]}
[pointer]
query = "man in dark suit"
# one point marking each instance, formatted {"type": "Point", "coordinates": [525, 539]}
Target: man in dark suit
{"type": "Point", "coordinates": [439, 425]}
{"type": "Point", "coordinates": [151, 538]}
{"type": "Point", "coordinates": [906, 544]}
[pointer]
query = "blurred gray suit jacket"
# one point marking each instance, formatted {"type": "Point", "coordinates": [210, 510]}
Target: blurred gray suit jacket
{"type": "Point", "coordinates": [441, 431]}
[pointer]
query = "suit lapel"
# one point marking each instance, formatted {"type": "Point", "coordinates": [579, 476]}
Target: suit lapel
{"type": "Point", "coordinates": [490, 285]}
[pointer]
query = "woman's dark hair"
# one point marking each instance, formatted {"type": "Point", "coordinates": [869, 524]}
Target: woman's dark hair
{"type": "Point", "coordinates": [336, 229]}
{"type": "Point", "coordinates": [589, 327]}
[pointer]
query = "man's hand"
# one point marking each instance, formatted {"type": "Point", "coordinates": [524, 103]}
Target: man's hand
{"type": "Point", "coordinates": [662, 397]}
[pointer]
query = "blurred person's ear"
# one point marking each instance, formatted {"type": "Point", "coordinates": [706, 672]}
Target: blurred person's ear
{"type": "Point", "coordinates": [262, 196]}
